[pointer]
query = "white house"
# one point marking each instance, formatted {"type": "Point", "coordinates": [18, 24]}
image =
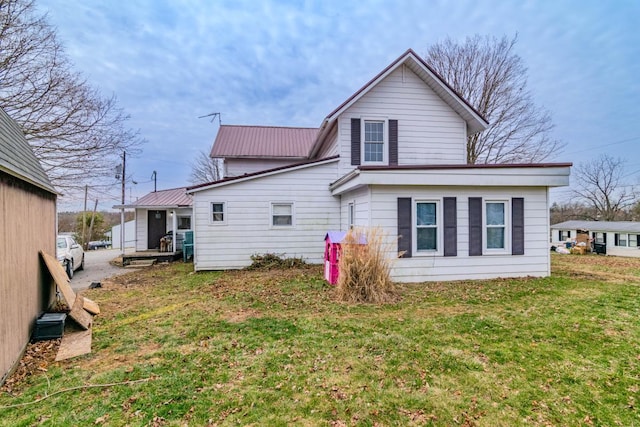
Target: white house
{"type": "Point", "coordinates": [129, 235]}
{"type": "Point", "coordinates": [609, 237]}
{"type": "Point", "coordinates": [160, 213]}
{"type": "Point", "coordinates": [392, 155]}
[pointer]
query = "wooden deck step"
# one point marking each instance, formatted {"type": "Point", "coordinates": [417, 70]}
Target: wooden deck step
{"type": "Point", "coordinates": [137, 263]}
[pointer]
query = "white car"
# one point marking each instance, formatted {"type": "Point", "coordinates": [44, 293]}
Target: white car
{"type": "Point", "coordinates": [70, 254]}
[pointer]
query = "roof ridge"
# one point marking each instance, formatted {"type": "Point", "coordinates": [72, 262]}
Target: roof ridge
{"type": "Point", "coordinates": [271, 126]}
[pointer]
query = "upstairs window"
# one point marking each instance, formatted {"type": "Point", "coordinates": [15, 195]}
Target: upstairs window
{"type": "Point", "coordinates": [374, 141]}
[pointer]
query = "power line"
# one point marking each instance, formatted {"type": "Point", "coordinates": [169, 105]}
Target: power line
{"type": "Point", "coordinates": [622, 141]}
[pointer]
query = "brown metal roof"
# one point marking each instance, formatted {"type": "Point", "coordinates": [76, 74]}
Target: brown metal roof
{"type": "Point", "coordinates": [175, 197]}
{"type": "Point", "coordinates": [263, 141]}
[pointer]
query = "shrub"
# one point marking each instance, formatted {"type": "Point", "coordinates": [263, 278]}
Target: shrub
{"type": "Point", "coordinates": [364, 268]}
{"type": "Point", "coordinates": [270, 261]}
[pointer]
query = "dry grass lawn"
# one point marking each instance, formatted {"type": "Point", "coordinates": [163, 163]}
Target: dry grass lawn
{"type": "Point", "coordinates": [275, 348]}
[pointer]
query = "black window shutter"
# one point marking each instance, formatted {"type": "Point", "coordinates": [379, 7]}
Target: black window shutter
{"type": "Point", "coordinates": [355, 142]}
{"type": "Point", "coordinates": [616, 239]}
{"type": "Point", "coordinates": [475, 226]}
{"type": "Point", "coordinates": [569, 234]}
{"type": "Point", "coordinates": [405, 242]}
{"type": "Point", "coordinates": [517, 226]}
{"type": "Point", "coordinates": [450, 222]}
{"type": "Point", "coordinates": [393, 142]}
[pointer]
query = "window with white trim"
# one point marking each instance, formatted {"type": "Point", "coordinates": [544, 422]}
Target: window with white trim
{"type": "Point", "coordinates": [374, 141]}
{"type": "Point", "coordinates": [218, 214]}
{"type": "Point", "coordinates": [621, 239]}
{"type": "Point", "coordinates": [565, 235]}
{"type": "Point", "coordinates": [352, 214]}
{"type": "Point", "coordinates": [427, 227]}
{"type": "Point", "coordinates": [495, 226]}
{"type": "Point", "coordinates": [633, 240]}
{"type": "Point", "coordinates": [599, 238]}
{"type": "Point", "coordinates": [282, 214]}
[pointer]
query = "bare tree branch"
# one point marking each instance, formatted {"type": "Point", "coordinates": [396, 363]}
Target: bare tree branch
{"type": "Point", "coordinates": [205, 169]}
{"type": "Point", "coordinates": [488, 74]}
{"type": "Point", "coordinates": [76, 133]}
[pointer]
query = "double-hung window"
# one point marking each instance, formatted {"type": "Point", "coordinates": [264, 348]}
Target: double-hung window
{"type": "Point", "coordinates": [374, 141]}
{"type": "Point", "coordinates": [495, 226]}
{"type": "Point", "coordinates": [218, 215]}
{"type": "Point", "coordinates": [426, 225]}
{"type": "Point", "coordinates": [621, 239]}
{"type": "Point", "coordinates": [282, 214]}
{"type": "Point", "coordinates": [633, 240]}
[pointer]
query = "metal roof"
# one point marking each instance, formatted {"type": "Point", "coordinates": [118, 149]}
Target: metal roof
{"type": "Point", "coordinates": [16, 155]}
{"type": "Point", "coordinates": [263, 141]}
{"type": "Point", "coordinates": [604, 226]}
{"type": "Point", "coordinates": [175, 197]}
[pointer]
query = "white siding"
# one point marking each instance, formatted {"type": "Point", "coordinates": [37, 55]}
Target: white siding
{"type": "Point", "coordinates": [429, 131]}
{"type": "Point", "coordinates": [247, 229]}
{"type": "Point", "coordinates": [238, 167]}
{"type": "Point", "coordinates": [141, 229]}
{"type": "Point", "coordinates": [535, 261]}
{"type": "Point", "coordinates": [361, 198]}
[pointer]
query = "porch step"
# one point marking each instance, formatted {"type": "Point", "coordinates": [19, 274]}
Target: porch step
{"type": "Point", "coordinates": [138, 263]}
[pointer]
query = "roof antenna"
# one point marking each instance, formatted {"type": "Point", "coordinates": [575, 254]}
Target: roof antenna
{"type": "Point", "coordinates": [213, 117]}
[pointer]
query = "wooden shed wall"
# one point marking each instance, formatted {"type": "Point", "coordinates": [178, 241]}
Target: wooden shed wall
{"type": "Point", "coordinates": [27, 225]}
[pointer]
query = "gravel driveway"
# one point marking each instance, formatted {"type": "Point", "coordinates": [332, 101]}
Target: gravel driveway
{"type": "Point", "coordinates": [96, 268]}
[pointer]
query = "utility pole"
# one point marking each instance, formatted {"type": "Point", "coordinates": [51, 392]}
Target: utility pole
{"type": "Point", "coordinates": [124, 162]}
{"type": "Point", "coordinates": [84, 219]}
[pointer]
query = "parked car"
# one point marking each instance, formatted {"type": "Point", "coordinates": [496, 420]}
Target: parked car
{"type": "Point", "coordinates": [70, 254]}
{"type": "Point", "coordinates": [98, 244]}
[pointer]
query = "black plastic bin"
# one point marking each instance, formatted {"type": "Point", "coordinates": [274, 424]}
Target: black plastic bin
{"type": "Point", "coordinates": [49, 326]}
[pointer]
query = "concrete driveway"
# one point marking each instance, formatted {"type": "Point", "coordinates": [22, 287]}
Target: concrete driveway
{"type": "Point", "coordinates": [96, 268]}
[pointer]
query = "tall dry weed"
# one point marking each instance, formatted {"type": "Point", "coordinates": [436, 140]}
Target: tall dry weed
{"type": "Point", "coordinates": [364, 268]}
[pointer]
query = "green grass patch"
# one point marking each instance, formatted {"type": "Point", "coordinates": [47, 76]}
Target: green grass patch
{"type": "Point", "coordinates": [275, 348]}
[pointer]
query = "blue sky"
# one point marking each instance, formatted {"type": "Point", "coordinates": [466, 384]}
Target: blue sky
{"type": "Point", "coordinates": [289, 63]}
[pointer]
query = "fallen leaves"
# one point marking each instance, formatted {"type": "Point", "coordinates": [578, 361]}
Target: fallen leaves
{"type": "Point", "coordinates": [37, 358]}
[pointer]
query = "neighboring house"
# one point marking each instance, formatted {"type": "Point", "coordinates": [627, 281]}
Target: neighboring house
{"type": "Point", "coordinates": [619, 238]}
{"type": "Point", "coordinates": [114, 235]}
{"type": "Point", "coordinates": [160, 213]}
{"type": "Point", "coordinates": [393, 155]}
{"type": "Point", "coordinates": [27, 226]}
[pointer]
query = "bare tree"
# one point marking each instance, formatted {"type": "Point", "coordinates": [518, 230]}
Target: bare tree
{"type": "Point", "coordinates": [600, 184]}
{"type": "Point", "coordinates": [205, 169]}
{"type": "Point", "coordinates": [493, 78]}
{"type": "Point", "coordinates": [75, 132]}
{"type": "Point", "coordinates": [561, 212]}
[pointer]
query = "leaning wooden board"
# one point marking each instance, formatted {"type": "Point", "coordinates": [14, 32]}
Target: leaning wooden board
{"type": "Point", "coordinates": [75, 302]}
{"type": "Point", "coordinates": [61, 279]}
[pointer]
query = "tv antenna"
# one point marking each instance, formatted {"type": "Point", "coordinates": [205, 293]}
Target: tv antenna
{"type": "Point", "coordinates": [213, 117]}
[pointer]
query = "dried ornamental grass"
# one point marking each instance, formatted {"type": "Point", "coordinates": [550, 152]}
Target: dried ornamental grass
{"type": "Point", "coordinates": [364, 268]}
